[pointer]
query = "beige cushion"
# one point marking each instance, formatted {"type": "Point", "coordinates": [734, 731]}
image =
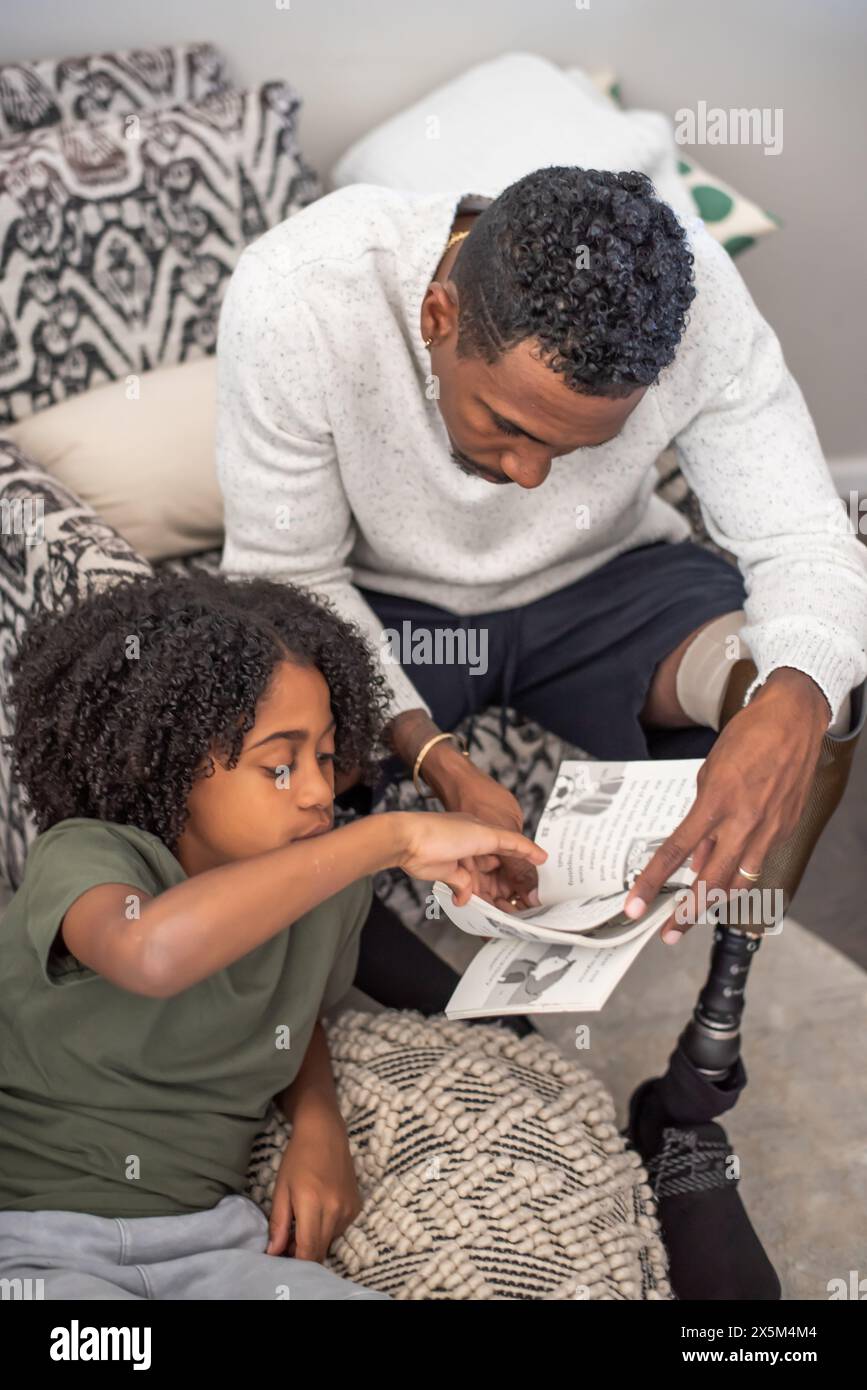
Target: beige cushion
{"type": "Point", "coordinates": [140, 452]}
{"type": "Point", "coordinates": [490, 1167]}
{"type": "Point", "coordinates": [504, 118]}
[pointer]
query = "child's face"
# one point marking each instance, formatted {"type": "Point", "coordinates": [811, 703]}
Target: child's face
{"type": "Point", "coordinates": [282, 787]}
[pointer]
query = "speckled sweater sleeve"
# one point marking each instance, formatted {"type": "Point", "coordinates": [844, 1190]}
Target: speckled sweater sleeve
{"type": "Point", "coordinates": [286, 513]}
{"type": "Point", "coordinates": [753, 458]}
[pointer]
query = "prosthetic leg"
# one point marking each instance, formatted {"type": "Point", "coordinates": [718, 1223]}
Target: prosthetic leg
{"type": "Point", "coordinates": [688, 1158]}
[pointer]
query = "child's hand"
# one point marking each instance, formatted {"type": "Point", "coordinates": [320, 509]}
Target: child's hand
{"type": "Point", "coordinates": [315, 1194]}
{"type": "Point", "coordinates": [438, 844]}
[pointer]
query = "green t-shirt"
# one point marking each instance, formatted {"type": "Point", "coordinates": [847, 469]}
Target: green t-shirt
{"type": "Point", "coordinates": [121, 1105]}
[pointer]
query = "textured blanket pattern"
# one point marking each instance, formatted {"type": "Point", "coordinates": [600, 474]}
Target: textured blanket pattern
{"type": "Point", "coordinates": [490, 1167]}
{"type": "Point", "coordinates": [105, 84]}
{"type": "Point", "coordinates": [120, 238]}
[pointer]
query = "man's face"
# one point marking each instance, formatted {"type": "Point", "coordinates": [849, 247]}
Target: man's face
{"type": "Point", "coordinates": [507, 423]}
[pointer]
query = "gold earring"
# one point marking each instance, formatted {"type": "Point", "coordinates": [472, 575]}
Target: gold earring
{"type": "Point", "coordinates": [427, 342]}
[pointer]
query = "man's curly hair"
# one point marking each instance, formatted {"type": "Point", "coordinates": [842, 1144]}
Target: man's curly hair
{"type": "Point", "coordinates": [103, 733]}
{"type": "Point", "coordinates": [608, 328]}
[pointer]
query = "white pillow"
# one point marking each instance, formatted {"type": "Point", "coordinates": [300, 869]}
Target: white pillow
{"type": "Point", "coordinates": [503, 119]}
{"type": "Point", "coordinates": [145, 462]}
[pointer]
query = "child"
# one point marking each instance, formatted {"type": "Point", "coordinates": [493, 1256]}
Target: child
{"type": "Point", "coordinates": [186, 914]}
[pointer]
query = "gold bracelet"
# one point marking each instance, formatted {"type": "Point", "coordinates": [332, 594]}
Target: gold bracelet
{"type": "Point", "coordinates": [437, 738]}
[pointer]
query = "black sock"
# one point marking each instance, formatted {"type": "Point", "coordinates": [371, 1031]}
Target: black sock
{"type": "Point", "coordinates": [713, 1250]}
{"type": "Point", "coordinates": [688, 1097]}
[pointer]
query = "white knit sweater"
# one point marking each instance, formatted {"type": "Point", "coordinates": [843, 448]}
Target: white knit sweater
{"type": "Point", "coordinates": [335, 469]}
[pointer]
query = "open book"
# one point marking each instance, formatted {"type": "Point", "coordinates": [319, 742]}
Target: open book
{"type": "Point", "coordinates": [602, 825]}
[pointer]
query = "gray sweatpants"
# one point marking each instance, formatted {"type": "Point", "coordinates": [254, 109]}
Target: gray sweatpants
{"type": "Point", "coordinates": [197, 1255]}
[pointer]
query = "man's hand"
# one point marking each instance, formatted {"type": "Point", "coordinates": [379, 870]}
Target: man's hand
{"type": "Point", "coordinates": [752, 790]}
{"type": "Point", "coordinates": [463, 787]}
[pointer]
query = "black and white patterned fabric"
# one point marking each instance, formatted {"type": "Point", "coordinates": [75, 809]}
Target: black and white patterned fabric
{"type": "Point", "coordinates": [674, 489]}
{"type": "Point", "coordinates": [119, 240]}
{"type": "Point", "coordinates": [106, 84]}
{"type": "Point", "coordinates": [52, 546]}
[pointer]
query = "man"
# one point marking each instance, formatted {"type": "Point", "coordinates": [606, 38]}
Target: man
{"type": "Point", "coordinates": [444, 412]}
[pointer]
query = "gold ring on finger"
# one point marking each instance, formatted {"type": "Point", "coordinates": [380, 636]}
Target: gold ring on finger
{"type": "Point", "coordinates": [745, 873]}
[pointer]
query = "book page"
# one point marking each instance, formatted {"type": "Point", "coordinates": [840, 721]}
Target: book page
{"type": "Point", "coordinates": [569, 921]}
{"type": "Point", "coordinates": [529, 977]}
{"type": "Point", "coordinates": [477, 917]}
{"type": "Point", "coordinates": [604, 822]}
{"type": "Point", "coordinates": [562, 916]}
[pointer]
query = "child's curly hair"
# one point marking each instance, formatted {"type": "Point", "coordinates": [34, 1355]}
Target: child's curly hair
{"type": "Point", "coordinates": [116, 731]}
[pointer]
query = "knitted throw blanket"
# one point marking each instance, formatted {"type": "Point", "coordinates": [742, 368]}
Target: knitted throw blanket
{"type": "Point", "coordinates": [490, 1166]}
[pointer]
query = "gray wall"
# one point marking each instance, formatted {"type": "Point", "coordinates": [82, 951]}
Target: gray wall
{"type": "Point", "coordinates": [357, 61]}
